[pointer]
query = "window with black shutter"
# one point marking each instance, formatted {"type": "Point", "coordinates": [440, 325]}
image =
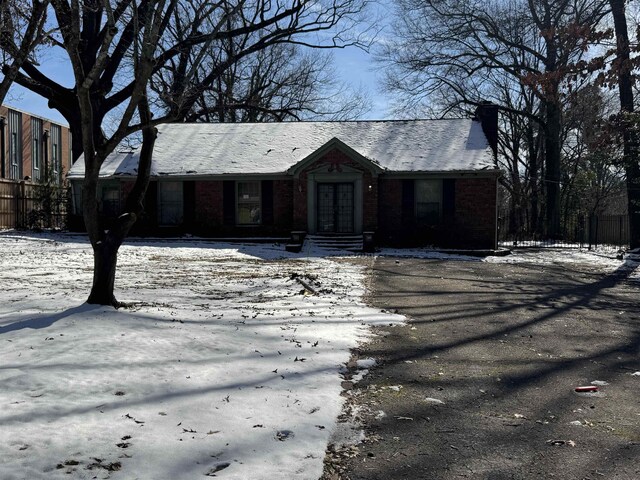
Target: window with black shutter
{"type": "Point", "coordinates": [448, 199]}
{"type": "Point", "coordinates": [408, 203]}
{"type": "Point", "coordinates": [267, 202]}
{"type": "Point", "coordinates": [229, 202]}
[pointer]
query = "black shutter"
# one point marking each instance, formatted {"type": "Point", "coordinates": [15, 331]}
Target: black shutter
{"type": "Point", "coordinates": [448, 199]}
{"type": "Point", "coordinates": [150, 202]}
{"type": "Point", "coordinates": [229, 202]}
{"type": "Point", "coordinates": [267, 202]}
{"type": "Point", "coordinates": [408, 203]}
{"type": "Point", "coordinates": [189, 197]}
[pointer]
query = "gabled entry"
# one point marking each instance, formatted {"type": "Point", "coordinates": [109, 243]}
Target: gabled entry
{"type": "Point", "coordinates": [337, 179]}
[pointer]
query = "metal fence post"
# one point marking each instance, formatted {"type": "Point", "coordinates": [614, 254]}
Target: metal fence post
{"type": "Point", "coordinates": [22, 204]}
{"type": "Point", "coordinates": [620, 230]}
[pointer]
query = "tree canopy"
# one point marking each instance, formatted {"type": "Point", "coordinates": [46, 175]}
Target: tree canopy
{"type": "Point", "coordinates": [147, 62]}
{"type": "Point", "coordinates": [534, 59]}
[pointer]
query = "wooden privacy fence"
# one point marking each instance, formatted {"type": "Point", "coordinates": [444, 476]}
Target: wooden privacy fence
{"type": "Point", "coordinates": [28, 205]}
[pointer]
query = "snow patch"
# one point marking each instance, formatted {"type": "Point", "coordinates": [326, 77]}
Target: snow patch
{"type": "Point", "coordinates": [365, 363]}
{"type": "Point", "coordinates": [218, 366]}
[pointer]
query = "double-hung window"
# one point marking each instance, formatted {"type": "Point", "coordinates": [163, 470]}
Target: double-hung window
{"type": "Point", "coordinates": [36, 147]}
{"type": "Point", "coordinates": [15, 145]}
{"type": "Point", "coordinates": [428, 196]}
{"type": "Point", "coordinates": [56, 151]}
{"type": "Point", "coordinates": [110, 200]}
{"type": "Point", "coordinates": [171, 203]}
{"type": "Point", "coordinates": [249, 208]}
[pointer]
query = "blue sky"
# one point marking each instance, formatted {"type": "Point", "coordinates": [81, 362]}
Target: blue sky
{"type": "Point", "coordinates": [353, 65]}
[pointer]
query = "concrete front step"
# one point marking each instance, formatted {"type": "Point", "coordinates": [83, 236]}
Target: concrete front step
{"type": "Point", "coordinates": [352, 243]}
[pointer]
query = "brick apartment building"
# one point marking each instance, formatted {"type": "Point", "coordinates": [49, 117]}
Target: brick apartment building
{"type": "Point", "coordinates": [415, 182]}
{"type": "Point", "coordinates": [32, 147]}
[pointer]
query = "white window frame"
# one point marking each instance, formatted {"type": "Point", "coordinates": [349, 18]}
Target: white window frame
{"type": "Point", "coordinates": [248, 201]}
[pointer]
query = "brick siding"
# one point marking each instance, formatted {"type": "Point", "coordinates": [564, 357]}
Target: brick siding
{"type": "Point", "coordinates": [390, 209]}
{"type": "Point", "coordinates": [283, 205]}
{"type": "Point", "coordinates": [208, 204]}
{"type": "Point", "coordinates": [473, 225]}
{"type": "Point", "coordinates": [476, 212]}
{"type": "Point", "coordinates": [27, 144]}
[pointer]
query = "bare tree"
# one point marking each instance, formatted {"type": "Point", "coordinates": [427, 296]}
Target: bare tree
{"type": "Point", "coordinates": [461, 46]}
{"type": "Point", "coordinates": [282, 82]}
{"type": "Point", "coordinates": [623, 71]}
{"type": "Point", "coordinates": [115, 48]}
{"type": "Point", "coordinates": [21, 31]}
{"type": "Point", "coordinates": [591, 163]}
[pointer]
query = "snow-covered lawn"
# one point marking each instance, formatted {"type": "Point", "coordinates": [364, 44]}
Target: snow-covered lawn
{"type": "Point", "coordinates": [221, 366]}
{"type": "Point", "coordinates": [599, 261]}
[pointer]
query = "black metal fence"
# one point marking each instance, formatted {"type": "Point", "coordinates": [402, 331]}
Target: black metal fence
{"type": "Point", "coordinates": [607, 232]}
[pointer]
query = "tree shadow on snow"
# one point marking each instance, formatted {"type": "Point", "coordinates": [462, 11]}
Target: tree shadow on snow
{"type": "Point", "coordinates": [46, 320]}
{"type": "Point", "coordinates": [502, 408]}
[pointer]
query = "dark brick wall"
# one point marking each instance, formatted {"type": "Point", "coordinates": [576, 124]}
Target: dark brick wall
{"type": "Point", "coordinates": [370, 199]}
{"type": "Point", "coordinates": [476, 212]}
{"type": "Point", "coordinates": [283, 204]}
{"type": "Point", "coordinates": [208, 213]}
{"type": "Point", "coordinates": [473, 224]}
{"type": "Point", "coordinates": [300, 202]}
{"type": "Point", "coordinates": [390, 209]}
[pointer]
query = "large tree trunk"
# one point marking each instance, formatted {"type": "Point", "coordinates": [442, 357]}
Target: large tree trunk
{"type": "Point", "coordinates": [105, 259]}
{"type": "Point", "coordinates": [552, 177]}
{"type": "Point", "coordinates": [552, 143]}
{"type": "Point", "coordinates": [106, 244]}
{"type": "Point", "coordinates": [630, 136]}
{"type": "Point", "coordinates": [533, 181]}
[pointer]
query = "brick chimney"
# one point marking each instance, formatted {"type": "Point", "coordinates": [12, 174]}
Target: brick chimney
{"type": "Point", "coordinates": [487, 115]}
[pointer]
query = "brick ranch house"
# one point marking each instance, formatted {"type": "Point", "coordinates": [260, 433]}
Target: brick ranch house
{"type": "Point", "coordinates": [417, 182]}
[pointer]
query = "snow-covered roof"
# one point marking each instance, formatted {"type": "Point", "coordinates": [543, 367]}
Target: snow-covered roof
{"type": "Point", "coordinates": [273, 148]}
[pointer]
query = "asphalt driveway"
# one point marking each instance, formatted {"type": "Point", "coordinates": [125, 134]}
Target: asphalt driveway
{"type": "Point", "coordinates": [481, 383]}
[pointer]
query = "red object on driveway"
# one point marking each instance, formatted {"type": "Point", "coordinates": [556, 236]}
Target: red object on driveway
{"type": "Point", "coordinates": [589, 388]}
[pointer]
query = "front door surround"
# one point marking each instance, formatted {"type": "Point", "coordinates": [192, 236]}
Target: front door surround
{"type": "Point", "coordinates": [335, 204]}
